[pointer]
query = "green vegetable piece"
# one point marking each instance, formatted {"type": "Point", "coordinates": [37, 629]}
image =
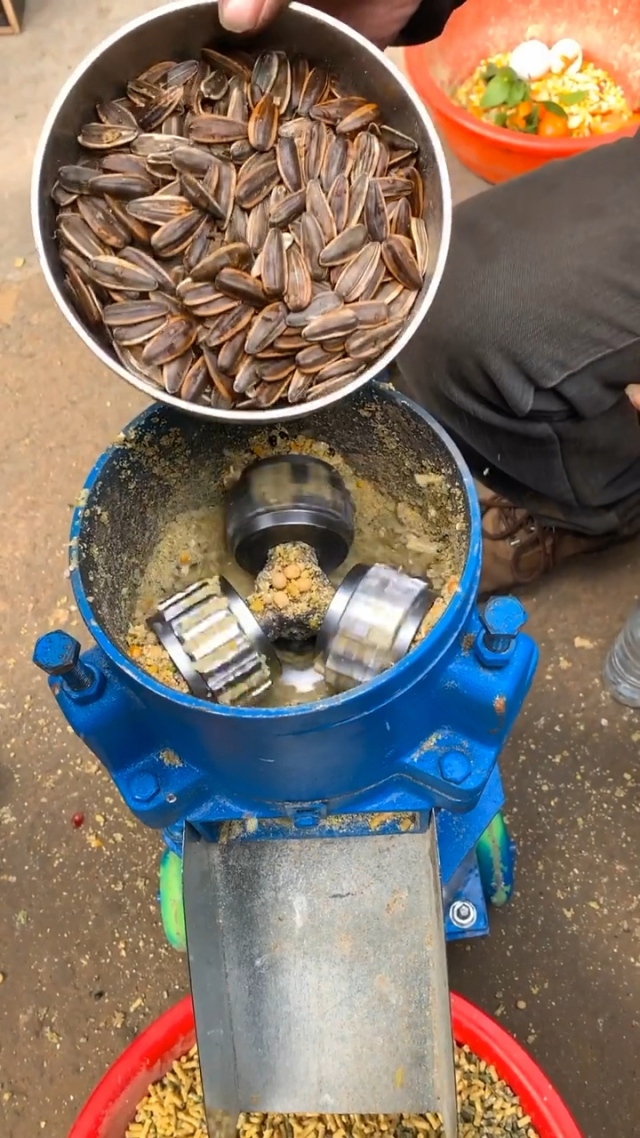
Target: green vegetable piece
{"type": "Point", "coordinates": [508, 73]}
{"type": "Point", "coordinates": [571, 97]}
{"type": "Point", "coordinates": [500, 118]}
{"type": "Point", "coordinates": [490, 72]}
{"type": "Point", "coordinates": [496, 91]}
{"type": "Point", "coordinates": [555, 109]}
{"type": "Point", "coordinates": [518, 93]}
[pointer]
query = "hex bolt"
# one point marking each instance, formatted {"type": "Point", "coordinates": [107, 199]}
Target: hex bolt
{"type": "Point", "coordinates": [463, 914]}
{"type": "Point", "coordinates": [455, 766]}
{"type": "Point", "coordinates": [144, 786]}
{"type": "Point", "coordinates": [58, 654]}
{"type": "Point", "coordinates": [502, 619]}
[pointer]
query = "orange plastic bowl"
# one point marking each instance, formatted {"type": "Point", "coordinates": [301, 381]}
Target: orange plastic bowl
{"type": "Point", "coordinates": [609, 33]}
{"type": "Point", "coordinates": [112, 1106]}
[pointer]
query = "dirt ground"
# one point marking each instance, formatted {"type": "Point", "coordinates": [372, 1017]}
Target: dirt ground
{"type": "Point", "coordinates": [83, 962]}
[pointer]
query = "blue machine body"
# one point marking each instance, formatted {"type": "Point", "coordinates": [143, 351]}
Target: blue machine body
{"type": "Point", "coordinates": [426, 734]}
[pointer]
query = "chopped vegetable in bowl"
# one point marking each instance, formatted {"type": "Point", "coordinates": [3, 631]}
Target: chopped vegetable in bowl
{"type": "Point", "coordinates": [550, 92]}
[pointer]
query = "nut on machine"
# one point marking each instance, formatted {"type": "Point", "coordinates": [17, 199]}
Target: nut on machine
{"type": "Point", "coordinates": [329, 848]}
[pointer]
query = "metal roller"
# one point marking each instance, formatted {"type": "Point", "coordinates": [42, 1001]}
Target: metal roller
{"type": "Point", "coordinates": [370, 623]}
{"type": "Point", "coordinates": [291, 497]}
{"type": "Point", "coordinates": [215, 643]}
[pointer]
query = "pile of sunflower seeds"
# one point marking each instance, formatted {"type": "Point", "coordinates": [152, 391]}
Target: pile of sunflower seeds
{"type": "Point", "coordinates": [488, 1108]}
{"type": "Point", "coordinates": [244, 231]}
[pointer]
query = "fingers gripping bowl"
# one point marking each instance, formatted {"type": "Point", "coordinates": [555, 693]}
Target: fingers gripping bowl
{"type": "Point", "coordinates": [179, 32]}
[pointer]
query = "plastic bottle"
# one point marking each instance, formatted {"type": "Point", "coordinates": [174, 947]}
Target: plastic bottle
{"type": "Point", "coordinates": [622, 667]}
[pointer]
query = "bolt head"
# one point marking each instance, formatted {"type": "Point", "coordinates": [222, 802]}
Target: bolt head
{"type": "Point", "coordinates": [144, 786]}
{"type": "Point", "coordinates": [56, 653]}
{"type": "Point", "coordinates": [463, 914]}
{"type": "Point", "coordinates": [503, 616]}
{"type": "Point", "coordinates": [455, 766]}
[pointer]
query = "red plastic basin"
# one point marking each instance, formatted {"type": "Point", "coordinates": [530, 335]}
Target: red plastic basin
{"type": "Point", "coordinates": [112, 1105]}
{"type": "Point", "coordinates": [607, 30]}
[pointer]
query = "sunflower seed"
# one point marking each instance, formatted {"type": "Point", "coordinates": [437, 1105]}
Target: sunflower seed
{"type": "Point", "coordinates": [312, 245]}
{"type": "Point", "coordinates": [216, 128]}
{"type": "Point", "coordinates": [339, 201]}
{"type": "Point", "coordinates": [117, 273]}
{"type": "Point", "coordinates": [318, 207]}
{"type": "Point", "coordinates": [375, 212]}
{"type": "Point", "coordinates": [338, 160]}
{"type": "Point", "coordinates": [329, 387]}
{"type": "Point", "coordinates": [358, 272]}
{"type": "Point", "coordinates": [266, 327]}
{"type": "Point", "coordinates": [315, 148]}
{"type": "Point", "coordinates": [129, 312]}
{"type": "Point", "coordinates": [313, 90]}
{"type": "Point", "coordinates": [146, 144]}
{"type": "Point", "coordinates": [84, 296]}
{"type": "Point", "coordinates": [104, 223]}
{"type": "Point", "coordinates": [344, 246]}
{"type": "Point", "coordinates": [129, 335]}
{"type": "Point", "coordinates": [177, 335]}
{"type": "Point", "coordinates": [401, 263]}
{"type": "Point", "coordinates": [263, 76]}
{"type": "Point", "coordinates": [158, 209]}
{"type": "Point", "coordinates": [358, 119]}
{"type": "Point", "coordinates": [298, 294]}
{"type": "Point", "coordinates": [241, 286]}
{"type": "Point", "coordinates": [229, 324]}
{"type": "Point", "coordinates": [76, 179]}
{"type": "Point", "coordinates": [238, 101]}
{"type": "Point", "coordinates": [366, 154]}
{"type": "Point", "coordinates": [312, 358]}
{"type": "Point", "coordinates": [370, 342]}
{"type": "Point", "coordinates": [116, 113]}
{"type": "Point", "coordinates": [74, 231]}
{"type": "Point", "coordinates": [400, 218]}
{"type": "Point", "coordinates": [288, 161]}
{"type": "Point", "coordinates": [154, 115]}
{"type": "Point", "coordinates": [237, 256]}
{"type": "Point", "coordinates": [339, 369]}
{"type": "Point", "coordinates": [274, 264]}
{"type": "Point", "coordinates": [127, 186]}
{"type": "Point", "coordinates": [331, 326]}
{"type": "Point", "coordinates": [191, 160]}
{"type": "Point", "coordinates": [174, 236]}
{"type": "Point", "coordinates": [247, 378]}
{"type": "Point", "coordinates": [256, 179]}
{"type": "Point", "coordinates": [104, 136]}
{"type": "Point", "coordinates": [150, 267]}
{"type": "Point", "coordinates": [420, 243]}
{"type": "Point", "coordinates": [226, 63]}
{"type": "Point", "coordinates": [299, 73]}
{"type": "Point", "coordinates": [231, 353]}
{"type": "Point", "coordinates": [267, 394]}
{"type": "Point", "coordinates": [321, 304]}
{"type": "Point", "coordinates": [333, 111]}
{"type": "Point", "coordinates": [262, 128]}
{"type": "Point", "coordinates": [370, 312]}
{"type": "Point", "coordinates": [402, 304]}
{"type": "Point", "coordinates": [196, 381]}
{"type": "Point", "coordinates": [215, 85]}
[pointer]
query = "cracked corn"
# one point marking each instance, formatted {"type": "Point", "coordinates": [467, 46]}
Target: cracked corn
{"type": "Point", "coordinates": [488, 1108]}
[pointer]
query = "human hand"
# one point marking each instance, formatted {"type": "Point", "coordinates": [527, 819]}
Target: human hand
{"type": "Point", "coordinates": [379, 20]}
{"type": "Point", "coordinates": [633, 393]}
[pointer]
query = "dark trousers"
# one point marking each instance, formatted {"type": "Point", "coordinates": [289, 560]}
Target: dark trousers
{"type": "Point", "coordinates": [534, 334]}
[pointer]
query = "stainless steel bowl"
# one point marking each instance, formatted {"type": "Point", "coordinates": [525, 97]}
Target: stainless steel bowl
{"type": "Point", "coordinates": [178, 31]}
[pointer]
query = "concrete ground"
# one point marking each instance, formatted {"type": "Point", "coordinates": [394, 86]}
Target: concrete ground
{"type": "Point", "coordinates": [82, 958]}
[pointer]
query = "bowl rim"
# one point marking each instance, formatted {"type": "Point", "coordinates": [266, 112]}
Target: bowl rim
{"type": "Point", "coordinates": [278, 414]}
{"type": "Point", "coordinates": [443, 105]}
{"type": "Point", "coordinates": [173, 1033]}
